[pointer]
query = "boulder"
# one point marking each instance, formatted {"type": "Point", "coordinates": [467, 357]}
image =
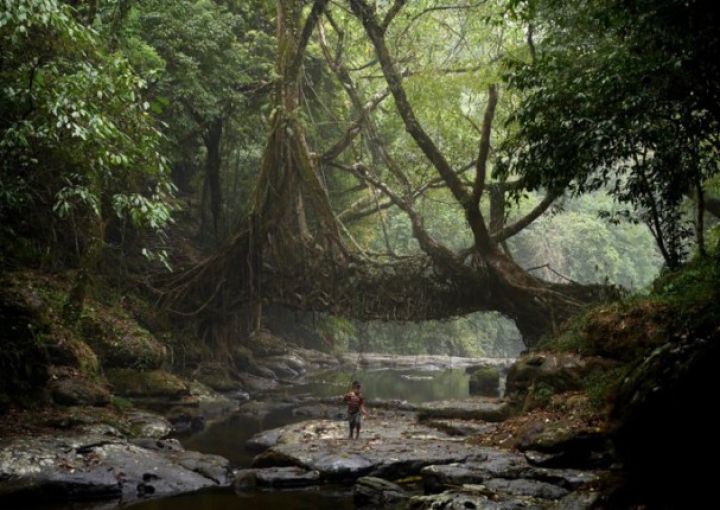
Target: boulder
{"type": "Point", "coordinates": [264, 343]}
{"type": "Point", "coordinates": [148, 425]}
{"type": "Point", "coordinates": [69, 468]}
{"type": "Point", "coordinates": [660, 428]}
{"type": "Point", "coordinates": [484, 380]}
{"type": "Point", "coordinates": [535, 377]}
{"type": "Point", "coordinates": [217, 377]}
{"type": "Point", "coordinates": [371, 492]}
{"type": "Point", "coordinates": [486, 409]}
{"type": "Point", "coordinates": [120, 344]}
{"type": "Point", "coordinates": [141, 384]}
{"type": "Point", "coordinates": [24, 360]}
{"type": "Point", "coordinates": [565, 444]}
{"type": "Point", "coordinates": [75, 354]}
{"type": "Point", "coordinates": [78, 391]}
{"type": "Point", "coordinates": [275, 478]}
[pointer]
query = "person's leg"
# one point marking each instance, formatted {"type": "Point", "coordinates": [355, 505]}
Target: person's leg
{"type": "Point", "coordinates": [354, 424]}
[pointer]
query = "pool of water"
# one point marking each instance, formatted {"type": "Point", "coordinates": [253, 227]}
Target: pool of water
{"type": "Point", "coordinates": [411, 385]}
{"type": "Point", "coordinates": [226, 499]}
{"type": "Point", "coordinates": [228, 436]}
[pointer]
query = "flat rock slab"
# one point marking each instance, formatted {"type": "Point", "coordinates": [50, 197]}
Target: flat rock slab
{"type": "Point", "coordinates": [464, 428]}
{"type": "Point", "coordinates": [274, 478]}
{"type": "Point", "coordinates": [480, 408]}
{"type": "Point", "coordinates": [480, 497]}
{"type": "Point", "coordinates": [378, 427]}
{"type": "Point", "coordinates": [489, 464]}
{"type": "Point", "coordinates": [387, 450]}
{"type": "Point", "coordinates": [108, 467]}
{"type": "Point", "coordinates": [398, 447]}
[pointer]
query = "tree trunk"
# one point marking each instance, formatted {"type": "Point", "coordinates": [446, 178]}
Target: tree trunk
{"type": "Point", "coordinates": [213, 164]}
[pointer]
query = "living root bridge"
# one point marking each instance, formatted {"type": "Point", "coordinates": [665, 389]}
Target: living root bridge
{"type": "Point", "coordinates": [305, 277]}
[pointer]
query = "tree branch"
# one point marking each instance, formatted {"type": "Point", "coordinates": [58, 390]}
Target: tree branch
{"type": "Point", "coordinates": [412, 125]}
{"type": "Point", "coordinates": [312, 19]}
{"type": "Point", "coordinates": [394, 10]}
{"type": "Point", "coordinates": [510, 230]}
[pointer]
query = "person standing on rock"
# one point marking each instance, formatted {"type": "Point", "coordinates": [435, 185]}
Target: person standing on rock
{"type": "Point", "coordinates": [356, 409]}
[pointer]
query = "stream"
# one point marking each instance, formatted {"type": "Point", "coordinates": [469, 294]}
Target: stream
{"type": "Point", "coordinates": [228, 436]}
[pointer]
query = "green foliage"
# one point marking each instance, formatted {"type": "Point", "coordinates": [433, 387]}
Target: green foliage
{"type": "Point", "coordinates": [577, 243]}
{"type": "Point", "coordinates": [541, 394]}
{"type": "Point", "coordinates": [336, 334]}
{"type": "Point", "coordinates": [210, 64]}
{"type": "Point", "coordinates": [601, 385]}
{"type": "Point", "coordinates": [682, 305]}
{"type": "Point", "coordinates": [693, 294]}
{"type": "Point", "coordinates": [611, 102]}
{"type": "Point", "coordinates": [75, 133]}
{"type": "Point", "coordinates": [121, 404]}
{"type": "Point", "coordinates": [481, 334]}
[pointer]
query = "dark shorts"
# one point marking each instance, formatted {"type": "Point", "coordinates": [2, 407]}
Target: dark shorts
{"type": "Point", "coordinates": [354, 419]}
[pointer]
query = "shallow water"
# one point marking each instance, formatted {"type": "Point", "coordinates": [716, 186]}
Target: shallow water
{"type": "Point", "coordinates": [226, 499]}
{"type": "Point", "coordinates": [411, 385]}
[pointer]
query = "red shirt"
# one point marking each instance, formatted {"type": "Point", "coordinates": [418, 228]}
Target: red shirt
{"type": "Point", "coordinates": [355, 401]}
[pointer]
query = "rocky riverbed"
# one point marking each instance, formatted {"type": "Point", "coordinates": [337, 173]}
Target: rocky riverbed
{"type": "Point", "coordinates": [447, 454]}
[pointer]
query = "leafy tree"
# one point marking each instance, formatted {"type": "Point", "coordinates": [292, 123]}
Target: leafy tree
{"type": "Point", "coordinates": [206, 64]}
{"type": "Point", "coordinates": [576, 242]}
{"type": "Point", "coordinates": [78, 150]}
{"type": "Point", "coordinates": [623, 96]}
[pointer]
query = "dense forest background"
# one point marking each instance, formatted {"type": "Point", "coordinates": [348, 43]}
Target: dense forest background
{"type": "Point", "coordinates": [138, 137]}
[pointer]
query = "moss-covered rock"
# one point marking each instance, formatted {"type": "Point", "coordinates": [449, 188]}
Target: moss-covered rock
{"type": "Point", "coordinates": [131, 383]}
{"type": "Point", "coordinates": [121, 343]}
{"type": "Point", "coordinates": [536, 376]}
{"type": "Point", "coordinates": [263, 343]}
{"type": "Point", "coordinates": [484, 381]}
{"type": "Point", "coordinates": [23, 327]}
{"type": "Point", "coordinates": [661, 399]}
{"type": "Point", "coordinates": [70, 352]}
{"type": "Point", "coordinates": [216, 376]}
{"type": "Point", "coordinates": [243, 356]}
{"type": "Point", "coordinates": [78, 391]}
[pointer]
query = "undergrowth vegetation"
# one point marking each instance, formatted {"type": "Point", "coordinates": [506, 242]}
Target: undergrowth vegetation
{"type": "Point", "coordinates": [682, 305]}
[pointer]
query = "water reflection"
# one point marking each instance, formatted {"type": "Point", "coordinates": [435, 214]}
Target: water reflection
{"type": "Point", "coordinates": [414, 386]}
{"type": "Point", "coordinates": [227, 437]}
{"type": "Point", "coordinates": [325, 499]}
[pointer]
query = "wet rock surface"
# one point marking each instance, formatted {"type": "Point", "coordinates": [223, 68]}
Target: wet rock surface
{"type": "Point", "coordinates": [478, 408]}
{"type": "Point", "coordinates": [370, 492]}
{"type": "Point", "coordinates": [95, 466]}
{"type": "Point", "coordinates": [454, 472]}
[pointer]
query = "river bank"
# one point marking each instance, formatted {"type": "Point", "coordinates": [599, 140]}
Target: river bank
{"type": "Point", "coordinates": [543, 443]}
